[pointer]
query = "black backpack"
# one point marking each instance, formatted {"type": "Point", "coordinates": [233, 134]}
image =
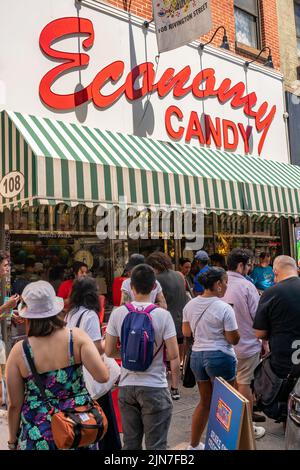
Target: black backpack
{"type": "Point", "coordinates": [271, 391]}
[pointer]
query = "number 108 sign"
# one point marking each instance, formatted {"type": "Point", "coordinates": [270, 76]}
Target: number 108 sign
{"type": "Point", "coordinates": [12, 184]}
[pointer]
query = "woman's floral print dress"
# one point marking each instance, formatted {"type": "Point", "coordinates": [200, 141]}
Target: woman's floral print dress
{"type": "Point", "coordinates": [65, 389]}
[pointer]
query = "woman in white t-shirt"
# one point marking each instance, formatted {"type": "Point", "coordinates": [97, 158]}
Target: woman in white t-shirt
{"type": "Point", "coordinates": [84, 305]}
{"type": "Point", "coordinates": [213, 325]}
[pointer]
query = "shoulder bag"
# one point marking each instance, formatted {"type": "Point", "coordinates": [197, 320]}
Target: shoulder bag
{"type": "Point", "coordinates": [72, 428]}
{"type": "Point", "coordinates": [97, 389]}
{"type": "Point", "coordinates": [271, 391]}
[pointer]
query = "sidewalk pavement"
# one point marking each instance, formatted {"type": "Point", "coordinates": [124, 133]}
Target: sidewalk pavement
{"type": "Point", "coordinates": [3, 430]}
{"type": "Point", "coordinates": [179, 433]}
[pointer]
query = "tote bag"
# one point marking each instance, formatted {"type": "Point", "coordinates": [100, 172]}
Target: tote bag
{"type": "Point", "coordinates": [188, 378]}
{"type": "Point", "coordinates": [97, 389]}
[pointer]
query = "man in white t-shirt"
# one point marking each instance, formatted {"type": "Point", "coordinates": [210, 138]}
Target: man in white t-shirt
{"type": "Point", "coordinates": [144, 397]}
{"type": "Point", "coordinates": [156, 295]}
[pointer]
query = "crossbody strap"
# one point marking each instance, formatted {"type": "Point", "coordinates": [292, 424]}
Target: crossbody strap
{"type": "Point", "coordinates": [80, 318]}
{"type": "Point", "coordinates": [158, 349]}
{"type": "Point", "coordinates": [198, 320]}
{"type": "Point", "coordinates": [34, 372]}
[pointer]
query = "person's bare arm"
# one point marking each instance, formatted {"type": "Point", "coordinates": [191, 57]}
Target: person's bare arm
{"type": "Point", "coordinates": [186, 329]}
{"type": "Point", "coordinates": [161, 301]}
{"type": "Point", "coordinates": [173, 356]}
{"type": "Point", "coordinates": [100, 345]}
{"type": "Point", "coordinates": [172, 348]}
{"type": "Point", "coordinates": [261, 334]}
{"type": "Point", "coordinates": [111, 345]}
{"type": "Point", "coordinates": [11, 303]}
{"type": "Point", "coordinates": [174, 362]}
{"type": "Point", "coordinates": [15, 390]}
{"type": "Point", "coordinates": [265, 347]}
{"type": "Point", "coordinates": [90, 356]}
{"type": "Point", "coordinates": [232, 337]}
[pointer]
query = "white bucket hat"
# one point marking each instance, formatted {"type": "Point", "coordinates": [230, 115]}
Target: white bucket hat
{"type": "Point", "coordinates": [40, 300]}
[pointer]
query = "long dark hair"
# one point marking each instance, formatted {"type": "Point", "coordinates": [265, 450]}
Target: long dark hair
{"type": "Point", "coordinates": [160, 261]}
{"type": "Point", "coordinates": [45, 326]}
{"type": "Point", "coordinates": [85, 294]}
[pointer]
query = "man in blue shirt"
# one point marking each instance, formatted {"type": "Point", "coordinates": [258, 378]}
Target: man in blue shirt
{"type": "Point", "coordinates": [262, 275]}
{"type": "Point", "coordinates": [202, 259]}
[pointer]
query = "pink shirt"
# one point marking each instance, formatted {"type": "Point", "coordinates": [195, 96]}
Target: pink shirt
{"type": "Point", "coordinates": [243, 297]}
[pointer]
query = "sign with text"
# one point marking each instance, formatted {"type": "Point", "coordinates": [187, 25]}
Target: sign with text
{"type": "Point", "coordinates": [179, 22]}
{"type": "Point", "coordinates": [98, 67]}
{"type": "Point", "coordinates": [230, 424]}
{"type": "Point", "coordinates": [12, 184]}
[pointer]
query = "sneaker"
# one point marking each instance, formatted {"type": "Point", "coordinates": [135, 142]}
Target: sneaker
{"type": "Point", "coordinates": [175, 395]}
{"type": "Point", "coordinates": [200, 446]}
{"type": "Point", "coordinates": [259, 431]}
{"type": "Point", "coordinates": [257, 418]}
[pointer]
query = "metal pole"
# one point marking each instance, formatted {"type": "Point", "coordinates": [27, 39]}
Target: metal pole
{"type": "Point", "coordinates": [215, 230]}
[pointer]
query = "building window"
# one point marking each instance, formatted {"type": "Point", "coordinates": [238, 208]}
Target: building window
{"type": "Point", "coordinates": [297, 20]}
{"type": "Point", "coordinates": [247, 29]}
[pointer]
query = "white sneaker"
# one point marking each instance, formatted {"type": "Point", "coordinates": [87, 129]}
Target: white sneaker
{"type": "Point", "coordinates": [200, 446]}
{"type": "Point", "coordinates": [259, 431]}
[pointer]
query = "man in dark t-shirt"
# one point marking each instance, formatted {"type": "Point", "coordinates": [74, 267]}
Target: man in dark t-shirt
{"type": "Point", "coordinates": [278, 315]}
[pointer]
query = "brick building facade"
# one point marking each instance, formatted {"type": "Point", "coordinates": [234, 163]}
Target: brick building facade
{"type": "Point", "coordinates": [223, 14]}
{"type": "Point", "coordinates": [289, 33]}
{"type": "Point", "coordinates": [288, 44]}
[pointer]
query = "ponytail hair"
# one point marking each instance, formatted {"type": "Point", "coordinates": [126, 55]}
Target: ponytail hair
{"type": "Point", "coordinates": [210, 277]}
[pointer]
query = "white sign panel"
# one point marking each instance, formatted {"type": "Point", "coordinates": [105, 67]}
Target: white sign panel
{"type": "Point", "coordinates": [12, 184]}
{"type": "Point", "coordinates": [98, 67]}
{"type": "Point", "coordinates": [178, 22]}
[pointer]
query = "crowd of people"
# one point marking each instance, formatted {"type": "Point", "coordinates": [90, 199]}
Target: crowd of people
{"type": "Point", "coordinates": [234, 314]}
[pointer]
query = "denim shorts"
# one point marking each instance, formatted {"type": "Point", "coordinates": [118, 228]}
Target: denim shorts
{"type": "Point", "coordinates": [207, 365]}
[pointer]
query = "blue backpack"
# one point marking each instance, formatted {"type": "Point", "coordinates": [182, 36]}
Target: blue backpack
{"type": "Point", "coordinates": [137, 339]}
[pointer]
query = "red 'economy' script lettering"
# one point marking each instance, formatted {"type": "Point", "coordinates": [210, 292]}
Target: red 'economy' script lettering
{"type": "Point", "coordinates": [56, 30]}
{"type": "Point", "coordinates": [202, 86]}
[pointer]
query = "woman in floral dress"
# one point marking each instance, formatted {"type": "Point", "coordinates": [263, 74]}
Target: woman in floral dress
{"type": "Point", "coordinates": [58, 354]}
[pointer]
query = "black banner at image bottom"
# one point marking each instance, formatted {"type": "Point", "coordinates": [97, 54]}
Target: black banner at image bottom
{"type": "Point", "coordinates": [154, 459]}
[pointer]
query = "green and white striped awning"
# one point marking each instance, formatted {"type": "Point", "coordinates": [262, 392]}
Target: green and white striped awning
{"type": "Point", "coordinates": [245, 184]}
{"type": "Point", "coordinates": [74, 164]}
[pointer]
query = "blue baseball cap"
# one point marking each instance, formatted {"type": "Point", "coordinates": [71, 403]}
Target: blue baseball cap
{"type": "Point", "coordinates": [201, 255]}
